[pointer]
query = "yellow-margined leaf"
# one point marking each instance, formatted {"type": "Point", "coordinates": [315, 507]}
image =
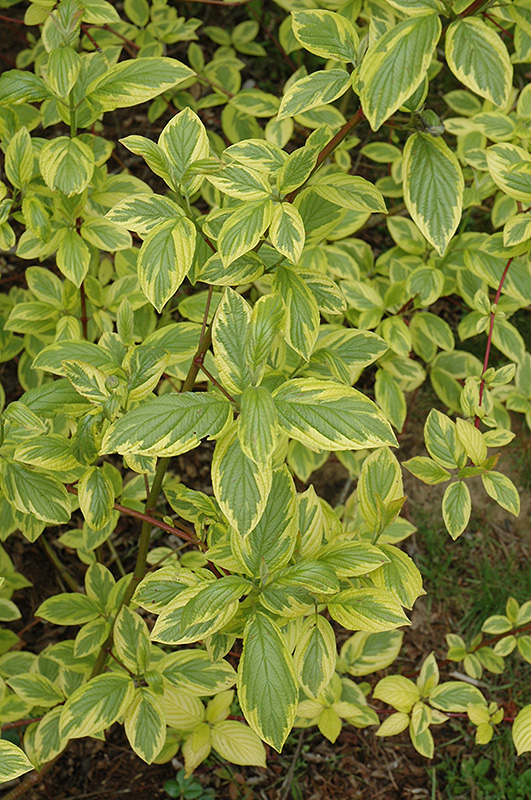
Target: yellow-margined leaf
{"type": "Point", "coordinates": [502, 489]}
{"type": "Point", "coordinates": [510, 169]}
{"type": "Point", "coordinates": [240, 486]}
{"type": "Point", "coordinates": [258, 429]}
{"type": "Point", "coordinates": [13, 761]}
{"type": "Point", "coordinates": [317, 89]}
{"type": "Point", "coordinates": [326, 34]}
{"type": "Point", "coordinates": [96, 498]}
{"type": "Point", "coordinates": [301, 318]}
{"type": "Point", "coordinates": [19, 159]}
{"type": "Point", "coordinates": [131, 82]}
{"type": "Point", "coordinates": [35, 689]}
{"type": "Point", "coordinates": [194, 673]}
{"type": "Point", "coordinates": [142, 213]}
{"type": "Point", "coordinates": [273, 539]}
{"type": "Point", "coordinates": [34, 493]}
{"type": "Point", "coordinates": [48, 741]}
{"type": "Point", "coordinates": [144, 724]}
{"type": "Point", "coordinates": [237, 180]}
{"type": "Point", "coordinates": [229, 330]}
{"type": "Point", "coordinates": [165, 258]}
{"type": "Point", "coordinates": [351, 191]}
{"type": "Point", "coordinates": [64, 66]}
{"type": "Point", "coordinates": [267, 684]}
{"type": "Point", "coordinates": [364, 653]}
{"type": "Point", "coordinates": [168, 425]}
{"type": "Point", "coordinates": [433, 188]}
{"type": "Point", "coordinates": [330, 417]}
{"type": "Point", "coordinates": [478, 58]}
{"type": "Point", "coordinates": [67, 165]}
{"type": "Point", "coordinates": [396, 65]}
{"type": "Point", "coordinates": [394, 724]}
{"type": "Point", "coordinates": [243, 229]}
{"type": "Point", "coordinates": [96, 705]}
{"type": "Point", "coordinates": [367, 610]}
{"type": "Point", "coordinates": [456, 508]}
{"type": "Point", "coordinates": [315, 656]}
{"type": "Point", "coordinates": [131, 639]}
{"type": "Point", "coordinates": [287, 232]}
{"type": "Point", "coordinates": [184, 140]}
{"type": "Point", "coordinates": [400, 575]}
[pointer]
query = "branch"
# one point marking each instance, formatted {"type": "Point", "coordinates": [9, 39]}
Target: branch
{"type": "Point", "coordinates": [329, 148]}
{"type": "Point", "coordinates": [146, 518]}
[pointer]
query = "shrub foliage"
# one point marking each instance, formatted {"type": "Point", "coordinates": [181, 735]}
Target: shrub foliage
{"type": "Point", "coordinates": [231, 297]}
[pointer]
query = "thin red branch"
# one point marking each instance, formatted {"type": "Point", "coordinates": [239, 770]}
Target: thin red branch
{"type": "Point", "coordinates": [131, 512]}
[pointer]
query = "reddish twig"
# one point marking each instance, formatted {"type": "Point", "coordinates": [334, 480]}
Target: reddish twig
{"type": "Point", "coordinates": [131, 512]}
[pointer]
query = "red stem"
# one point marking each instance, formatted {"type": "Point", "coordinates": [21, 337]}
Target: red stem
{"type": "Point", "coordinates": [131, 512]}
{"type": "Point", "coordinates": [491, 328]}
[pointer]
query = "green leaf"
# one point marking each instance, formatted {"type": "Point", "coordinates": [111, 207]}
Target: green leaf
{"type": "Point", "coordinates": [395, 66]}
{"type": "Point", "coordinates": [301, 320]}
{"type": "Point", "coordinates": [168, 425]}
{"type": "Point", "coordinates": [67, 165]}
{"type": "Point", "coordinates": [267, 684]}
{"type": "Point", "coordinates": [240, 486]}
{"type": "Point", "coordinates": [329, 416]}
{"type": "Point", "coordinates": [456, 508]}
{"type": "Point", "coordinates": [135, 81]}
{"type": "Point", "coordinates": [433, 188]}
{"type": "Point", "coordinates": [326, 34]}
{"type": "Point", "coordinates": [243, 229]}
{"type": "Point", "coordinates": [479, 59]}
{"type": "Point", "coordinates": [315, 656]}
{"type": "Point", "coordinates": [287, 232]}
{"type": "Point", "coordinates": [144, 724]}
{"type": "Point", "coordinates": [68, 609]}
{"type": "Point", "coordinates": [503, 490]}
{"type": "Point", "coordinates": [522, 731]}
{"type": "Point", "coordinates": [367, 610]}
{"type": "Point", "coordinates": [165, 258]}
{"type": "Point", "coordinates": [13, 761]}
{"type": "Point", "coordinates": [229, 330]}
{"type": "Point", "coordinates": [317, 89]}
{"type": "Point", "coordinates": [34, 493]}
{"type": "Point", "coordinates": [96, 705]}
{"type": "Point", "coordinates": [258, 429]}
